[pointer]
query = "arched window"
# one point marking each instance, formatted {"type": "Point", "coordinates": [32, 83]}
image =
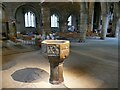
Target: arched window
{"type": "Point", "coordinates": [30, 19]}
{"type": "Point", "coordinates": [54, 21]}
{"type": "Point", "coordinates": [70, 21]}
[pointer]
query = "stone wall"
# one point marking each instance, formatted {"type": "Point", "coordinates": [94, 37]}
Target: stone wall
{"type": "Point", "coordinates": [16, 16]}
{"type": "Point", "coordinates": [82, 16]}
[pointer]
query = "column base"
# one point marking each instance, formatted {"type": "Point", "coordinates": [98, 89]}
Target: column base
{"type": "Point", "coordinates": [55, 82]}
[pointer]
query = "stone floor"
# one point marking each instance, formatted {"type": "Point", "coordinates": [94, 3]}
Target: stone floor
{"type": "Point", "coordinates": [93, 64]}
{"type": "Point", "coordinates": [9, 47]}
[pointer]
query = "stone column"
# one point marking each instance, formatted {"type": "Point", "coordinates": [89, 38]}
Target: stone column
{"type": "Point", "coordinates": [115, 19]}
{"type": "Point", "coordinates": [90, 16]}
{"type": "Point", "coordinates": [4, 20]}
{"type": "Point", "coordinates": [83, 21]}
{"type": "Point", "coordinates": [119, 22]}
{"type": "Point", "coordinates": [63, 25]}
{"type": "Point", "coordinates": [56, 73]}
{"type": "Point", "coordinates": [12, 22]}
{"type": "Point", "coordinates": [45, 12]}
{"type": "Point", "coordinates": [104, 20]}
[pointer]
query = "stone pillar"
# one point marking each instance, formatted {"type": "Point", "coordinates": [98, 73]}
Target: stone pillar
{"type": "Point", "coordinates": [115, 19]}
{"type": "Point", "coordinates": [90, 16]}
{"type": "Point", "coordinates": [63, 25]}
{"type": "Point", "coordinates": [4, 20]}
{"type": "Point", "coordinates": [104, 20]}
{"type": "Point", "coordinates": [12, 22]}
{"type": "Point", "coordinates": [119, 22]}
{"type": "Point", "coordinates": [104, 26]}
{"type": "Point", "coordinates": [56, 73]}
{"type": "Point", "coordinates": [45, 12]}
{"type": "Point", "coordinates": [83, 21]}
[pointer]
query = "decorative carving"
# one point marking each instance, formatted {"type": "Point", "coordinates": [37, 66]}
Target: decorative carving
{"type": "Point", "coordinates": [53, 50]}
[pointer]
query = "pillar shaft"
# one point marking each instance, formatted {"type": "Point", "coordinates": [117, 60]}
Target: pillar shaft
{"type": "Point", "coordinates": [104, 20]}
{"type": "Point", "coordinates": [45, 12]}
{"type": "Point", "coordinates": [11, 23]}
{"type": "Point", "coordinates": [63, 26]}
{"type": "Point", "coordinates": [90, 16]}
{"type": "Point", "coordinates": [83, 21]}
{"type": "Point", "coordinates": [56, 73]}
{"type": "Point", "coordinates": [104, 26]}
{"type": "Point", "coordinates": [115, 20]}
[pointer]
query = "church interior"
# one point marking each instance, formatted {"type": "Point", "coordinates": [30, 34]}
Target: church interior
{"type": "Point", "coordinates": [91, 28]}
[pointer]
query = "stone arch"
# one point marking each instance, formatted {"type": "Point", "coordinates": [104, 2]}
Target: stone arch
{"type": "Point", "coordinates": [56, 11]}
{"type": "Point", "coordinates": [4, 13]}
{"type": "Point", "coordinates": [19, 17]}
{"type": "Point", "coordinates": [31, 7]}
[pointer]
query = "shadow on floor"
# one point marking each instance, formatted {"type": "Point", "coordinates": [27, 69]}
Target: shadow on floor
{"type": "Point", "coordinates": [30, 75]}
